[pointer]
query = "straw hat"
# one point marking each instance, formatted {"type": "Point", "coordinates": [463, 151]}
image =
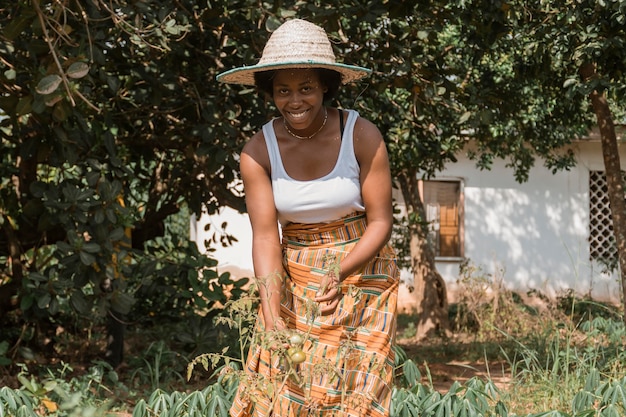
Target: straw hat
{"type": "Point", "coordinates": [295, 44]}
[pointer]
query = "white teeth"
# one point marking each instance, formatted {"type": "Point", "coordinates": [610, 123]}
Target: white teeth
{"type": "Point", "coordinates": [298, 115]}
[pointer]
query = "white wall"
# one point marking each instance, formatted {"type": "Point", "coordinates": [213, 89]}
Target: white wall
{"type": "Point", "coordinates": [237, 258]}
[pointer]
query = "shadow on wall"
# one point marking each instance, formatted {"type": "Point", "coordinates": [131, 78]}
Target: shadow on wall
{"type": "Point", "coordinates": [538, 230]}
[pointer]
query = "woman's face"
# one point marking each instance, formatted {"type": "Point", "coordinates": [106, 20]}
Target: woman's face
{"type": "Point", "coordinates": [299, 96]}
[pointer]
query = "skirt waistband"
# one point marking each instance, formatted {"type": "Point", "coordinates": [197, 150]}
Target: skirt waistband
{"type": "Point", "coordinates": [347, 228]}
{"type": "Point", "coordinates": [323, 226]}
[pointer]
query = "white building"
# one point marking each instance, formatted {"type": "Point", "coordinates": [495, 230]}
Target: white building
{"type": "Point", "coordinates": [548, 234]}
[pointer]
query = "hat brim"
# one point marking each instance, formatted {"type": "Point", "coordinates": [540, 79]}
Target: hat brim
{"type": "Point", "coordinates": [245, 75]}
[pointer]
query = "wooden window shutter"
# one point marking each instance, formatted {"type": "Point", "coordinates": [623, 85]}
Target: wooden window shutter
{"type": "Point", "coordinates": [442, 201]}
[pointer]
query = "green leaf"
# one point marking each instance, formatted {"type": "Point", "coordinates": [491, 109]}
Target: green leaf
{"type": "Point", "coordinates": [64, 247]}
{"type": "Point", "coordinates": [77, 70]}
{"type": "Point", "coordinates": [464, 117]}
{"type": "Point", "coordinates": [72, 402]}
{"type": "Point", "coordinates": [272, 23]}
{"type": "Point", "coordinates": [86, 258]}
{"type": "Point", "coordinates": [61, 111]}
{"type": "Point", "coordinates": [117, 234]}
{"type": "Point", "coordinates": [44, 301]}
{"type": "Point", "coordinates": [24, 106]}
{"type": "Point", "coordinates": [51, 99]}
{"type": "Point", "coordinates": [48, 84]}
{"type": "Point", "coordinates": [53, 308]}
{"type": "Point", "coordinates": [26, 383]}
{"type": "Point", "coordinates": [26, 302]}
{"type": "Point", "coordinates": [122, 302]}
{"type": "Point", "coordinates": [79, 302]}
{"type": "Point", "coordinates": [570, 82]}
{"type": "Point", "coordinates": [140, 409]}
{"type": "Point", "coordinates": [91, 247]}
{"type": "Point", "coordinates": [38, 277]}
{"type": "Point", "coordinates": [17, 25]}
{"type": "Point", "coordinates": [50, 385]}
{"type": "Point", "coordinates": [411, 373]}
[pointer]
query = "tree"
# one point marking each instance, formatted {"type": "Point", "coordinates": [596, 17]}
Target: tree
{"type": "Point", "coordinates": [564, 63]}
{"type": "Point", "coordinates": [515, 78]}
{"type": "Point", "coordinates": [594, 61]}
{"type": "Point", "coordinates": [109, 129]}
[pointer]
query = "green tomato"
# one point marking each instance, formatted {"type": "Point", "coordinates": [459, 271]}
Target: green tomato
{"type": "Point", "coordinates": [293, 350]}
{"type": "Point", "coordinates": [295, 339]}
{"type": "Point", "coordinates": [297, 357]}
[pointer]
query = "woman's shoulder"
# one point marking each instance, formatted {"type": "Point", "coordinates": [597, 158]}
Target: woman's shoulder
{"type": "Point", "coordinates": [255, 144]}
{"type": "Point", "coordinates": [366, 131]}
{"type": "Point", "coordinates": [256, 150]}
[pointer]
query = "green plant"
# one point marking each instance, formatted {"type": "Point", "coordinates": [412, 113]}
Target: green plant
{"type": "Point", "coordinates": [213, 401]}
{"type": "Point", "coordinates": [571, 364]}
{"type": "Point", "coordinates": [406, 326]}
{"type": "Point", "coordinates": [584, 308]}
{"type": "Point", "coordinates": [410, 397]}
{"type": "Point", "coordinates": [157, 367]}
{"type": "Point", "coordinates": [55, 395]}
{"type": "Point", "coordinates": [4, 348]}
{"type": "Point", "coordinates": [487, 310]}
{"type": "Point", "coordinates": [16, 403]}
{"type": "Point", "coordinates": [96, 190]}
{"type": "Point", "coordinates": [567, 370]}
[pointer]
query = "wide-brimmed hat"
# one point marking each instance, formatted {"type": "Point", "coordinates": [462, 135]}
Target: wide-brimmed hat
{"type": "Point", "coordinates": [295, 44]}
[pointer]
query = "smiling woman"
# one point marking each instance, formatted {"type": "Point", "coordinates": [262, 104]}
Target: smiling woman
{"type": "Point", "coordinates": [318, 193]}
{"type": "Point", "coordinates": [299, 96]}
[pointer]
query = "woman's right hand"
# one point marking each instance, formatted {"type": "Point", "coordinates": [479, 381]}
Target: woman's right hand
{"type": "Point", "coordinates": [276, 324]}
{"type": "Point", "coordinates": [329, 295]}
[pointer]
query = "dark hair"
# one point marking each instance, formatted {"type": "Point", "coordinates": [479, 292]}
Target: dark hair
{"type": "Point", "coordinates": [331, 79]}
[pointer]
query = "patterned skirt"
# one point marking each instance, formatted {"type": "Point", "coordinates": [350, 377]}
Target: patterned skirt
{"type": "Point", "coordinates": [348, 370]}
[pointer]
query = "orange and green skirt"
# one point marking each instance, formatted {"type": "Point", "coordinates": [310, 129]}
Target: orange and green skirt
{"type": "Point", "coordinates": [348, 371]}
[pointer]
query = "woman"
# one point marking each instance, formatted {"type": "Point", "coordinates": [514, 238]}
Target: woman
{"type": "Point", "coordinates": [327, 276]}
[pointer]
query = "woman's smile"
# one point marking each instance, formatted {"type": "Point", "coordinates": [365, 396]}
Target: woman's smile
{"type": "Point", "coordinates": [298, 116]}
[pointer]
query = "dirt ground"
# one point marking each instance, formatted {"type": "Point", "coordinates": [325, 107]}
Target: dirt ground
{"type": "Point", "coordinates": [445, 374]}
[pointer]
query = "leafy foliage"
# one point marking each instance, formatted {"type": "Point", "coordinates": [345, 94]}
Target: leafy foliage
{"type": "Point", "coordinates": [109, 128]}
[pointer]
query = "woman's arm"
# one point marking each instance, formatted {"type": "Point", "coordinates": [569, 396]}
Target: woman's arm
{"type": "Point", "coordinates": [376, 190]}
{"type": "Point", "coordinates": [376, 186]}
{"type": "Point", "coordinates": [266, 247]}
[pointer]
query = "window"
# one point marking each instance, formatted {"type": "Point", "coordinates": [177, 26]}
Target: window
{"type": "Point", "coordinates": [443, 202]}
{"type": "Point", "coordinates": [602, 246]}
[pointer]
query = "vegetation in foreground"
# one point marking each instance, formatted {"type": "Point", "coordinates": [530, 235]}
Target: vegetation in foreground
{"type": "Point", "coordinates": [564, 358]}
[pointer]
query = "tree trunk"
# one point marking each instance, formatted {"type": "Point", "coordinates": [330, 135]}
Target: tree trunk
{"type": "Point", "coordinates": [614, 178]}
{"type": "Point", "coordinates": [116, 328]}
{"type": "Point", "coordinates": [430, 288]}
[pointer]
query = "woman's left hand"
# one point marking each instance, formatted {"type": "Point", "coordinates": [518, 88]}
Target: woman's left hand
{"type": "Point", "coordinates": [329, 294]}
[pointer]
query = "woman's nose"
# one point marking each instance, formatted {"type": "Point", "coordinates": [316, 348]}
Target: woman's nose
{"type": "Point", "coordinates": [295, 98]}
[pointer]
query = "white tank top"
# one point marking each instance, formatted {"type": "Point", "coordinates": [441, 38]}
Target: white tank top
{"type": "Point", "coordinates": [324, 199]}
